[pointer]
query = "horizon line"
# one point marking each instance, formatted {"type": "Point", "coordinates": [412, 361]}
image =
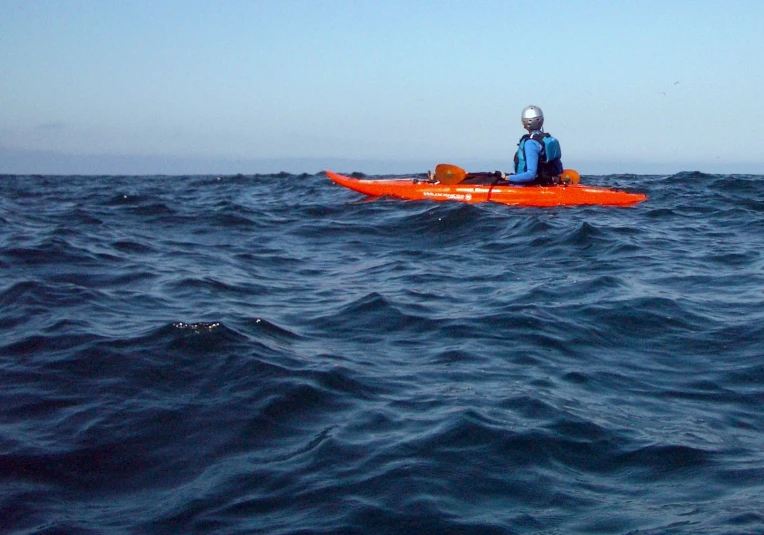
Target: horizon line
{"type": "Point", "coordinates": [52, 163]}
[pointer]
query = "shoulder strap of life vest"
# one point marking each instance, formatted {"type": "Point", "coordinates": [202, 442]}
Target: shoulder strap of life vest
{"type": "Point", "coordinates": [550, 147]}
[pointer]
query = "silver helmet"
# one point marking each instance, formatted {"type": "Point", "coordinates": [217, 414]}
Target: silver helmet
{"type": "Point", "coordinates": [532, 118]}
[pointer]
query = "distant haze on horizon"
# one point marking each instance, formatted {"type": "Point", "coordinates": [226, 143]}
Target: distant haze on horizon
{"type": "Point", "coordinates": [394, 87]}
{"type": "Point", "coordinates": [42, 163]}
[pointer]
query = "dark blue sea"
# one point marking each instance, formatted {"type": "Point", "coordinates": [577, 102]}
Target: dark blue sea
{"type": "Point", "coordinates": [274, 354]}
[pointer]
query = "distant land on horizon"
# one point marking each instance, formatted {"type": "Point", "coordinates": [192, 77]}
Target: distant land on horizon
{"type": "Point", "coordinates": [28, 162]}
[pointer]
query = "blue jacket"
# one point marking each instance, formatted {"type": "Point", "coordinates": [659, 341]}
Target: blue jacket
{"type": "Point", "coordinates": [533, 153]}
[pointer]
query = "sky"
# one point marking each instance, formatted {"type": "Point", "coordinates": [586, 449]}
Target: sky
{"type": "Point", "coordinates": [379, 86]}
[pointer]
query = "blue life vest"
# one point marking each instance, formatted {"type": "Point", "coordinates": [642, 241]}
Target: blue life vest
{"type": "Point", "coordinates": [550, 158]}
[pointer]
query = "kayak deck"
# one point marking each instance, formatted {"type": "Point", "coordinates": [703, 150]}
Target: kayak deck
{"type": "Point", "coordinates": [420, 189]}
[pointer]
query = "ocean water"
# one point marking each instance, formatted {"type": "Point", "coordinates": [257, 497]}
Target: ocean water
{"type": "Point", "coordinates": [276, 354]}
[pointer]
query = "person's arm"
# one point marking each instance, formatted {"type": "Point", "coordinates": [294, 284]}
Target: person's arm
{"type": "Point", "coordinates": [532, 151]}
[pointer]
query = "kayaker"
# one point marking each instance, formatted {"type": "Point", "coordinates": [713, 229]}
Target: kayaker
{"type": "Point", "coordinates": [537, 161]}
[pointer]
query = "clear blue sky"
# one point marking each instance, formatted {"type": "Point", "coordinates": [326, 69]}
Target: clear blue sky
{"type": "Point", "coordinates": [626, 86]}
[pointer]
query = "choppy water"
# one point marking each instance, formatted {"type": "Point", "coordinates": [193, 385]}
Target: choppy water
{"type": "Point", "coordinates": [275, 354]}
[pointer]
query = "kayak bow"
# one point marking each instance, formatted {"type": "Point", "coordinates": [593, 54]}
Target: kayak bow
{"type": "Point", "coordinates": [422, 189]}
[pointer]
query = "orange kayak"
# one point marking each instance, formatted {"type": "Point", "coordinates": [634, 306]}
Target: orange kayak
{"type": "Point", "coordinates": [422, 189]}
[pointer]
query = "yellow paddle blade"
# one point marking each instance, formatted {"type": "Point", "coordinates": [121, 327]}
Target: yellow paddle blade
{"type": "Point", "coordinates": [449, 174]}
{"type": "Point", "coordinates": [570, 176]}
